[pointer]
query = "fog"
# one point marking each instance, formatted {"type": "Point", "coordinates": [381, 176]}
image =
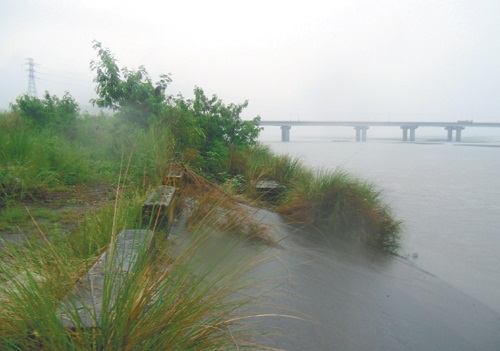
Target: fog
{"type": "Point", "coordinates": [316, 60]}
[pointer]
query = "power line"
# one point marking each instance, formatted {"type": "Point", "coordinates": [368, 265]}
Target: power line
{"type": "Point", "coordinates": [63, 77]}
{"type": "Point", "coordinates": [63, 81]}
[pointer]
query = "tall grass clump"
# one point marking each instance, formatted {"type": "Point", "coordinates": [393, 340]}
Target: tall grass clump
{"type": "Point", "coordinates": [333, 200]}
{"type": "Point", "coordinates": [176, 301]}
{"type": "Point", "coordinates": [213, 207]}
{"type": "Point", "coordinates": [342, 203]}
{"type": "Point", "coordinates": [34, 276]}
{"type": "Point", "coordinates": [151, 153]}
{"type": "Point", "coordinates": [264, 165]}
{"type": "Point", "coordinates": [153, 156]}
{"type": "Point", "coordinates": [16, 142]}
{"type": "Point", "coordinates": [37, 275]}
{"type": "Point", "coordinates": [95, 135]}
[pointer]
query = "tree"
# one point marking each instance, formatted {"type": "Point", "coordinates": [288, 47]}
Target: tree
{"type": "Point", "coordinates": [220, 127]}
{"type": "Point", "coordinates": [130, 92]}
{"type": "Point", "coordinates": [222, 123]}
{"type": "Point", "coordinates": [204, 124]}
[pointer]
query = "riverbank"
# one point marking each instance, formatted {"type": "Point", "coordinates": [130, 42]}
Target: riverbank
{"type": "Point", "coordinates": [47, 147]}
{"type": "Point", "coordinates": [337, 292]}
{"type": "Point", "coordinates": [51, 262]}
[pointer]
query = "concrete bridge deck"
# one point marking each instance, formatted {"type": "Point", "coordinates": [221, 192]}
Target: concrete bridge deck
{"type": "Point", "coordinates": [361, 127]}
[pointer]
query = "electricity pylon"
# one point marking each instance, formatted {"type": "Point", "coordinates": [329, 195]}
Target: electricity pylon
{"type": "Point", "coordinates": [31, 78]}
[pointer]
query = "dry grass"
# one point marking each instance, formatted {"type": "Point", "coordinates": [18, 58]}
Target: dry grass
{"type": "Point", "coordinates": [211, 208]}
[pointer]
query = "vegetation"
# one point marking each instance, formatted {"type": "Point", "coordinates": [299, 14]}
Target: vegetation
{"type": "Point", "coordinates": [34, 161]}
{"type": "Point", "coordinates": [219, 131]}
{"type": "Point", "coordinates": [167, 301]}
{"type": "Point", "coordinates": [57, 114]}
{"type": "Point", "coordinates": [48, 149]}
{"type": "Point", "coordinates": [132, 93]}
{"type": "Point", "coordinates": [334, 201]}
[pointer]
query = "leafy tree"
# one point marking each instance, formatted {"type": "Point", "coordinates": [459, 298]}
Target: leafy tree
{"type": "Point", "coordinates": [130, 92]}
{"type": "Point", "coordinates": [221, 127]}
{"type": "Point", "coordinates": [203, 124]}
{"type": "Point", "coordinates": [222, 123]}
{"type": "Point", "coordinates": [49, 112]}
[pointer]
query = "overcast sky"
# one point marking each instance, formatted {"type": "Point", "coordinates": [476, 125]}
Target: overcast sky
{"type": "Point", "coordinates": [308, 60]}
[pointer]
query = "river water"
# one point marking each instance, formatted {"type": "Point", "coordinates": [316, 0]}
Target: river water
{"type": "Point", "coordinates": [447, 194]}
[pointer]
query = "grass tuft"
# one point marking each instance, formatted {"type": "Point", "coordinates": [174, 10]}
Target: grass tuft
{"type": "Point", "coordinates": [220, 211]}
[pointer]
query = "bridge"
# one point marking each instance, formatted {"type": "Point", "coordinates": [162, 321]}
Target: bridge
{"type": "Point", "coordinates": [361, 127]}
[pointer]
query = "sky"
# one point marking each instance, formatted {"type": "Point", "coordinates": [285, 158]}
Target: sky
{"type": "Point", "coordinates": [372, 60]}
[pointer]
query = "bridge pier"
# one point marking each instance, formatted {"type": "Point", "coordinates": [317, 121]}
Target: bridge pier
{"type": "Point", "coordinates": [412, 132]}
{"type": "Point", "coordinates": [285, 133]}
{"type": "Point", "coordinates": [450, 133]}
{"type": "Point", "coordinates": [361, 132]}
{"type": "Point", "coordinates": [459, 133]}
{"type": "Point", "coordinates": [458, 130]}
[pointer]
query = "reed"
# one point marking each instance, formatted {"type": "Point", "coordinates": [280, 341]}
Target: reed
{"type": "Point", "coordinates": [211, 207]}
{"type": "Point", "coordinates": [34, 161]}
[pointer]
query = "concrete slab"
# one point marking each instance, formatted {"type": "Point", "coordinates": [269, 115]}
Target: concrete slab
{"type": "Point", "coordinates": [87, 296]}
{"type": "Point", "coordinates": [159, 209]}
{"type": "Point", "coordinates": [269, 187]}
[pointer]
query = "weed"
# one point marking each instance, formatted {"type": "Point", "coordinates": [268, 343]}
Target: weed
{"type": "Point", "coordinates": [212, 208]}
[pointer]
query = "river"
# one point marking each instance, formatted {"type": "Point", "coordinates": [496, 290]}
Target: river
{"type": "Point", "coordinates": [447, 194]}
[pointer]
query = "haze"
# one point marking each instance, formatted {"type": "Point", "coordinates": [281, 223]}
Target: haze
{"type": "Point", "coordinates": [308, 60]}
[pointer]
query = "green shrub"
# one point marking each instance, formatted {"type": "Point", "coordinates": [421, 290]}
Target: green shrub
{"type": "Point", "coordinates": [50, 112]}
